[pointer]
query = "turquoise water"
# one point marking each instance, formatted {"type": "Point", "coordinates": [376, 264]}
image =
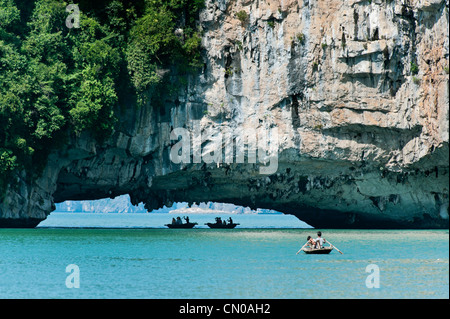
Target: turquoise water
{"type": "Point", "coordinates": [207, 263]}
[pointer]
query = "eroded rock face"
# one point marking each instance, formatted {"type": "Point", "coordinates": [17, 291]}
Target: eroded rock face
{"type": "Point", "coordinates": [356, 90]}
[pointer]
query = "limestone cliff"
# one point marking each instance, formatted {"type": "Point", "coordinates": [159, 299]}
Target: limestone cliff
{"type": "Point", "coordinates": [357, 90]}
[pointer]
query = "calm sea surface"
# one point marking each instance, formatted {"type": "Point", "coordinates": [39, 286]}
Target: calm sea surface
{"type": "Point", "coordinates": [206, 263]}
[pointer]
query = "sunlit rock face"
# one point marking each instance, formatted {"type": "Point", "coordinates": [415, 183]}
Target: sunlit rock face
{"type": "Point", "coordinates": [343, 105]}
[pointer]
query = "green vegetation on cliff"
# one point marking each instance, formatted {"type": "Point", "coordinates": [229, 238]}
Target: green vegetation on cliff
{"type": "Point", "coordinates": [56, 81]}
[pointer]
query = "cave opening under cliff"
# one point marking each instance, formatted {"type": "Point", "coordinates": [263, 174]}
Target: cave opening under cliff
{"type": "Point", "coordinates": [121, 213]}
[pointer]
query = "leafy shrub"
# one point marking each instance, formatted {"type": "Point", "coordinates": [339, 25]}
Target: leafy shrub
{"type": "Point", "coordinates": [242, 16]}
{"type": "Point", "coordinates": [414, 68]}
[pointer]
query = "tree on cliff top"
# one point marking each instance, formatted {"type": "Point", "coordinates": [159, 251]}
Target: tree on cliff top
{"type": "Point", "coordinates": [56, 81]}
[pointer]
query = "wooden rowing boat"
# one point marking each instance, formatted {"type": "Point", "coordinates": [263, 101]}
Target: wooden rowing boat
{"type": "Point", "coordinates": [318, 251]}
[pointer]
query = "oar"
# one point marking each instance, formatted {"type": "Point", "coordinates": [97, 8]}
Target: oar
{"type": "Point", "coordinates": [336, 248]}
{"type": "Point", "coordinates": [302, 248]}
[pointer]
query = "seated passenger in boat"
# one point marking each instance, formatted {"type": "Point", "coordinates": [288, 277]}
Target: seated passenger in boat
{"type": "Point", "coordinates": [319, 240]}
{"type": "Point", "coordinates": [311, 242]}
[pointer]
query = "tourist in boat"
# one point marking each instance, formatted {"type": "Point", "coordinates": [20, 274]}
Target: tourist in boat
{"type": "Point", "coordinates": [173, 221]}
{"type": "Point", "coordinates": [319, 240]}
{"type": "Point", "coordinates": [186, 219]}
{"type": "Point", "coordinates": [230, 221]}
{"type": "Point", "coordinates": [179, 221]}
{"type": "Point", "coordinates": [311, 242]}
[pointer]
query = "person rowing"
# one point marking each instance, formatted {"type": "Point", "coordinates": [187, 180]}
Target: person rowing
{"type": "Point", "coordinates": [319, 240]}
